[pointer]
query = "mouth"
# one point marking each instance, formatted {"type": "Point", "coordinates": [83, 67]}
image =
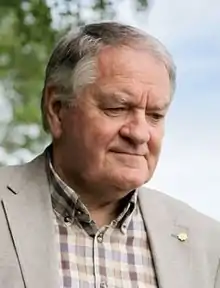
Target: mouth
{"type": "Point", "coordinates": [128, 153]}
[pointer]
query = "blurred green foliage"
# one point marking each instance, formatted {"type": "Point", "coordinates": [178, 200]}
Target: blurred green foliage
{"type": "Point", "coordinates": [28, 31]}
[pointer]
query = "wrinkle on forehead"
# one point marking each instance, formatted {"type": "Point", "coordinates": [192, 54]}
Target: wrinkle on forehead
{"type": "Point", "coordinates": [133, 73]}
{"type": "Point", "coordinates": [112, 59]}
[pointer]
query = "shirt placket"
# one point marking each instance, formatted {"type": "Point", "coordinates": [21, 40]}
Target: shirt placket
{"type": "Point", "coordinates": [100, 259]}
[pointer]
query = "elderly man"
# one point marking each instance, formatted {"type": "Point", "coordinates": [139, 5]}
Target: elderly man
{"type": "Point", "coordinates": [76, 216]}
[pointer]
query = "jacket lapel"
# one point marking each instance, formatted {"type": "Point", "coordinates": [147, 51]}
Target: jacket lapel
{"type": "Point", "coordinates": [30, 217]}
{"type": "Point", "coordinates": [178, 263]}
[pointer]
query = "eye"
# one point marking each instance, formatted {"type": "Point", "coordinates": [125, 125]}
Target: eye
{"type": "Point", "coordinates": [118, 109]}
{"type": "Point", "coordinates": [115, 111]}
{"type": "Point", "coordinates": [156, 116]}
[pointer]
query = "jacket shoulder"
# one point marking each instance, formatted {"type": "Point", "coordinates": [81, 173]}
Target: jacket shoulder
{"type": "Point", "coordinates": [7, 173]}
{"type": "Point", "coordinates": [182, 212]}
{"type": "Point", "coordinates": [20, 174]}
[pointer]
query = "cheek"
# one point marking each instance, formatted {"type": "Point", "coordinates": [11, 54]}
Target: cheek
{"type": "Point", "coordinates": [102, 134]}
{"type": "Point", "coordinates": [155, 142]}
{"type": "Point", "coordinates": [94, 135]}
{"type": "Point", "coordinates": [89, 132]}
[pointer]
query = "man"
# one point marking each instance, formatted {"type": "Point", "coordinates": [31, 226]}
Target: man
{"type": "Point", "coordinates": [77, 216]}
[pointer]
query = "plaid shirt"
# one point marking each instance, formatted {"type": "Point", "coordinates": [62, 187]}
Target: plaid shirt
{"type": "Point", "coordinates": [116, 255]}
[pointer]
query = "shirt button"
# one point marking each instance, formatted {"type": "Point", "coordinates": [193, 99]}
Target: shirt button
{"type": "Point", "coordinates": [114, 223]}
{"type": "Point", "coordinates": [100, 238]}
{"type": "Point", "coordinates": [103, 285]}
{"type": "Point", "coordinates": [67, 219]}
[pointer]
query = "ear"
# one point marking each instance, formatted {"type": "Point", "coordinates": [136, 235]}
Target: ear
{"type": "Point", "coordinates": [54, 109]}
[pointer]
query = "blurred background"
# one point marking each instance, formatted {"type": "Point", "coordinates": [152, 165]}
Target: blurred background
{"type": "Point", "coordinates": [189, 168]}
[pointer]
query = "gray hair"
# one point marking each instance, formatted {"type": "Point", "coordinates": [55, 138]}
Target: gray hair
{"type": "Point", "coordinates": [72, 64]}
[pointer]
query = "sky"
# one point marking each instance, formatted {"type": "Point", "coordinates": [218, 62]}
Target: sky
{"type": "Point", "coordinates": [189, 167]}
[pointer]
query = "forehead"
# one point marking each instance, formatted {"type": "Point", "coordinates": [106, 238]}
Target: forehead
{"type": "Point", "coordinates": [134, 70]}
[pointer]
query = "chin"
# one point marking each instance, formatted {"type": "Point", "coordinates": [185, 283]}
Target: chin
{"type": "Point", "coordinates": [131, 181]}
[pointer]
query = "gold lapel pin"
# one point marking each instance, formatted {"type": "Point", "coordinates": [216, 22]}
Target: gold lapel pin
{"type": "Point", "coordinates": [182, 236]}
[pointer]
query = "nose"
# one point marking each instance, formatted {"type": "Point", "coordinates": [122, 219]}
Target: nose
{"type": "Point", "coordinates": [137, 130]}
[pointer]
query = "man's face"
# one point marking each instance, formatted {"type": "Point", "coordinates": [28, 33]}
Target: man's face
{"type": "Point", "coordinates": [113, 136]}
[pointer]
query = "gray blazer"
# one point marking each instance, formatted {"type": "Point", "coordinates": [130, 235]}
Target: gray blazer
{"type": "Point", "coordinates": [27, 246]}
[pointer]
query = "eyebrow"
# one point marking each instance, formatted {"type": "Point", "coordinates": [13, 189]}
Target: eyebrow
{"type": "Point", "coordinates": [116, 97]}
{"type": "Point", "coordinates": [124, 98]}
{"type": "Point", "coordinates": [159, 107]}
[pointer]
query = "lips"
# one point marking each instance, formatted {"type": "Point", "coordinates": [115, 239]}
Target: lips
{"type": "Point", "coordinates": [132, 153]}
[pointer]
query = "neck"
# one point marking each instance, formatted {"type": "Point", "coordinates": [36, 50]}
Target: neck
{"type": "Point", "coordinates": [103, 211]}
{"type": "Point", "coordinates": [103, 207]}
{"type": "Point", "coordinates": [104, 214]}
